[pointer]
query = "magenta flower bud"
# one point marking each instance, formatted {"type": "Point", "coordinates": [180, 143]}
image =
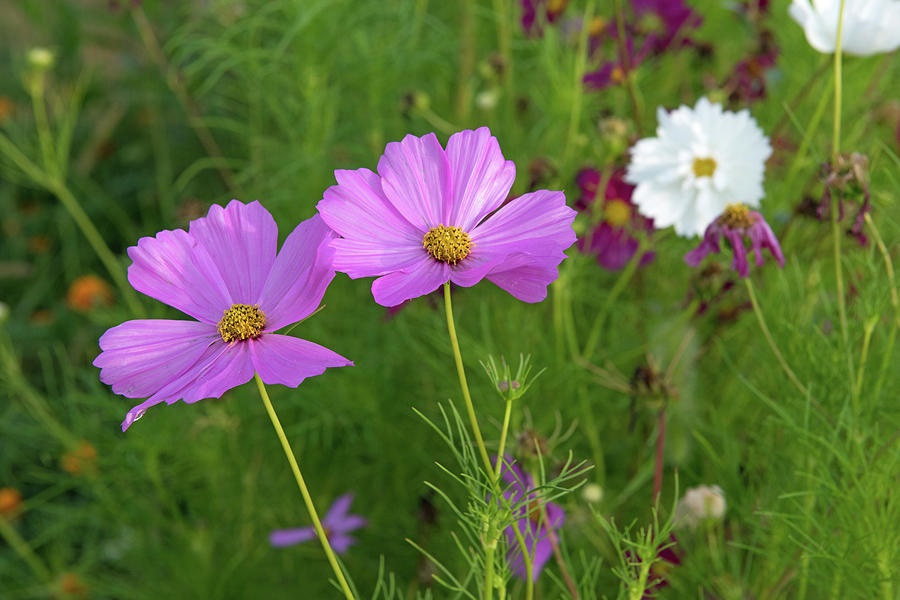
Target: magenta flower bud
{"type": "Point", "coordinates": [734, 224]}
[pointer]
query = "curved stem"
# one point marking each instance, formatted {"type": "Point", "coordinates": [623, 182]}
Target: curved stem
{"type": "Point", "coordinates": [461, 373]}
{"type": "Point", "coordinates": [504, 431]}
{"type": "Point", "coordinates": [765, 329]}
{"type": "Point", "coordinates": [289, 453]}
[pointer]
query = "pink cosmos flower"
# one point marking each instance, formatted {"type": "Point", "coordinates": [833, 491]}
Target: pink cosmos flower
{"type": "Point", "coordinates": [337, 524]}
{"type": "Point", "coordinates": [736, 222]}
{"type": "Point", "coordinates": [535, 527]}
{"type": "Point", "coordinates": [224, 272]}
{"type": "Point", "coordinates": [432, 215]}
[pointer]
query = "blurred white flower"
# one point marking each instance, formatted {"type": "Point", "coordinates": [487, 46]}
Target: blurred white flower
{"type": "Point", "coordinates": [700, 503]}
{"type": "Point", "coordinates": [701, 160]}
{"type": "Point", "coordinates": [870, 26]}
{"type": "Point", "coordinates": [40, 58]}
{"type": "Point", "coordinates": [487, 99]}
{"type": "Point", "coordinates": [592, 493]}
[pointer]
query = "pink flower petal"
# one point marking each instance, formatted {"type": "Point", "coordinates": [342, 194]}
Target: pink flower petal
{"type": "Point", "coordinates": [536, 217]}
{"type": "Point", "coordinates": [139, 358]}
{"type": "Point", "coordinates": [286, 360]}
{"type": "Point", "coordinates": [527, 276]}
{"type": "Point", "coordinates": [221, 367]}
{"type": "Point", "coordinates": [288, 537]}
{"type": "Point", "coordinates": [422, 278]}
{"type": "Point", "coordinates": [173, 268]}
{"type": "Point", "coordinates": [474, 267]}
{"type": "Point", "coordinates": [357, 208]}
{"type": "Point", "coordinates": [339, 509]}
{"type": "Point", "coordinates": [372, 258]}
{"type": "Point", "coordinates": [416, 180]}
{"type": "Point", "coordinates": [302, 271]}
{"type": "Point", "coordinates": [241, 240]}
{"type": "Point", "coordinates": [481, 176]}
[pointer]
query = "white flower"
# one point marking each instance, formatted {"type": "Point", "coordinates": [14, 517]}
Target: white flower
{"type": "Point", "coordinates": [870, 26]}
{"type": "Point", "coordinates": [592, 493]}
{"type": "Point", "coordinates": [699, 503]}
{"type": "Point", "coordinates": [700, 161]}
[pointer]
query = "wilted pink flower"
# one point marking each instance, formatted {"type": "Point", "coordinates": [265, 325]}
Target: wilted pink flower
{"type": "Point", "coordinates": [337, 524]}
{"type": "Point", "coordinates": [432, 215]}
{"type": "Point", "coordinates": [736, 222]}
{"type": "Point", "coordinates": [224, 272]}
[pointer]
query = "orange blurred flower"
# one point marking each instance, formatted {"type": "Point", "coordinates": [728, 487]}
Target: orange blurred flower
{"type": "Point", "coordinates": [88, 292]}
{"type": "Point", "coordinates": [72, 586]}
{"type": "Point", "coordinates": [10, 501]}
{"type": "Point", "coordinates": [80, 460]}
{"type": "Point", "coordinates": [6, 108]}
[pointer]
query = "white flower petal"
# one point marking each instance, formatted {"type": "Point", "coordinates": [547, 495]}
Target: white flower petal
{"type": "Point", "coordinates": [869, 26]}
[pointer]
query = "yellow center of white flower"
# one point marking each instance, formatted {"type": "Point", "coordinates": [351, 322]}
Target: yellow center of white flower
{"type": "Point", "coordinates": [736, 216]}
{"type": "Point", "coordinates": [241, 322]}
{"type": "Point", "coordinates": [704, 167]}
{"type": "Point", "coordinates": [447, 244]}
{"type": "Point", "coordinates": [616, 212]}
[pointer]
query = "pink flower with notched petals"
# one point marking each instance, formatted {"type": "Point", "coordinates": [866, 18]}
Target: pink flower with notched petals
{"type": "Point", "coordinates": [224, 272]}
{"type": "Point", "coordinates": [432, 215]}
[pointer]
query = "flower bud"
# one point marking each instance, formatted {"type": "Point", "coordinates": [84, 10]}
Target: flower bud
{"type": "Point", "coordinates": [700, 503]}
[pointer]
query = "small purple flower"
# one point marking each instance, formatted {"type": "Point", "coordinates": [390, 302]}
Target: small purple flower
{"type": "Point", "coordinates": [432, 215]}
{"type": "Point", "coordinates": [224, 272]}
{"type": "Point", "coordinates": [736, 222]}
{"type": "Point", "coordinates": [611, 241]}
{"type": "Point", "coordinates": [337, 524]}
{"type": "Point", "coordinates": [535, 525]}
{"type": "Point", "coordinates": [532, 19]}
{"type": "Point", "coordinates": [667, 559]}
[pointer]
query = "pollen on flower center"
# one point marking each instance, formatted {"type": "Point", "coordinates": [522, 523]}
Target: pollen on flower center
{"type": "Point", "coordinates": [736, 216]}
{"type": "Point", "coordinates": [447, 244]}
{"type": "Point", "coordinates": [241, 322]}
{"type": "Point", "coordinates": [704, 167]}
{"type": "Point", "coordinates": [616, 212]}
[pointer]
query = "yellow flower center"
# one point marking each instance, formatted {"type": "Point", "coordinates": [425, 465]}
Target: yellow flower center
{"type": "Point", "coordinates": [616, 212]}
{"type": "Point", "coordinates": [241, 322]}
{"type": "Point", "coordinates": [736, 216]}
{"type": "Point", "coordinates": [704, 167]}
{"type": "Point", "coordinates": [598, 24]}
{"type": "Point", "coordinates": [617, 75]}
{"type": "Point", "coordinates": [447, 244]}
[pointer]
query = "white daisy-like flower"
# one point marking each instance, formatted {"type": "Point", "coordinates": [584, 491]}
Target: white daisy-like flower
{"type": "Point", "coordinates": [700, 503]}
{"type": "Point", "coordinates": [701, 160]}
{"type": "Point", "coordinates": [870, 26]}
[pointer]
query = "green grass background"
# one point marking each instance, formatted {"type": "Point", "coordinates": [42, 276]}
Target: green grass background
{"type": "Point", "coordinates": [181, 505]}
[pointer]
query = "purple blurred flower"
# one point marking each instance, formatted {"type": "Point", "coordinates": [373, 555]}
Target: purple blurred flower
{"type": "Point", "coordinates": [659, 25]}
{"type": "Point", "coordinates": [535, 525]}
{"type": "Point", "coordinates": [224, 272]}
{"type": "Point", "coordinates": [337, 524]}
{"type": "Point", "coordinates": [736, 222]}
{"type": "Point", "coordinates": [432, 215]}
{"type": "Point", "coordinates": [611, 241]}
{"type": "Point", "coordinates": [535, 12]}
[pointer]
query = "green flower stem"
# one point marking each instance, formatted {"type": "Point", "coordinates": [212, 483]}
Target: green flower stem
{"type": "Point", "coordinates": [626, 68]}
{"type": "Point", "coordinates": [581, 56]}
{"type": "Point", "coordinates": [835, 228]}
{"type": "Point", "coordinates": [18, 543]}
{"type": "Point", "coordinates": [503, 433]}
{"type": "Point", "coordinates": [36, 91]}
{"type": "Point", "coordinates": [618, 287]}
{"type": "Point", "coordinates": [489, 548]}
{"type": "Point", "coordinates": [466, 60]}
{"type": "Point", "coordinates": [473, 420]}
{"type": "Point", "coordinates": [461, 373]}
{"type": "Point", "coordinates": [895, 301]}
{"type": "Point", "coordinates": [310, 507]}
{"type": "Point", "coordinates": [765, 329]}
